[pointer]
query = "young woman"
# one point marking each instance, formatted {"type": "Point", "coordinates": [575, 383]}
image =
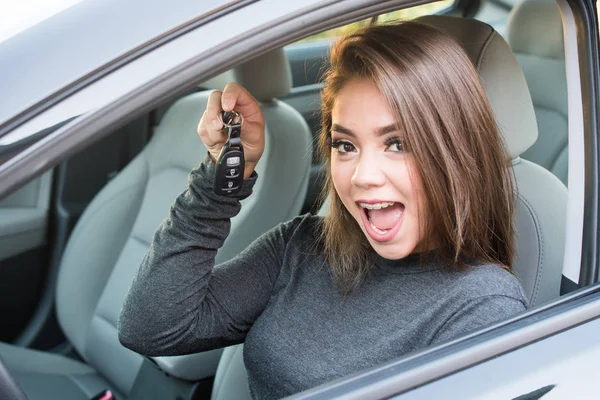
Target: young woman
{"type": "Point", "coordinates": [416, 248]}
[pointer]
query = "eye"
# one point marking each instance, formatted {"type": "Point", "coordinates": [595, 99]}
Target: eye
{"type": "Point", "coordinates": [395, 144]}
{"type": "Point", "coordinates": [342, 146]}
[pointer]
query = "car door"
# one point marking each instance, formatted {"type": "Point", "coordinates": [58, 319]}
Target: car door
{"type": "Point", "coordinates": [24, 219]}
{"type": "Point", "coordinates": [36, 221]}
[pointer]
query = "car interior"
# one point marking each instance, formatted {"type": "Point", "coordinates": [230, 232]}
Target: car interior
{"type": "Point", "coordinates": [73, 238]}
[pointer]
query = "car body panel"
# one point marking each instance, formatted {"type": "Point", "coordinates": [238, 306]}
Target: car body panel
{"type": "Point", "coordinates": [564, 364]}
{"type": "Point", "coordinates": [53, 54]}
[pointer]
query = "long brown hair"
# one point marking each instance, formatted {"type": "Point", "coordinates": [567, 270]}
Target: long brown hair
{"type": "Point", "coordinates": [448, 125]}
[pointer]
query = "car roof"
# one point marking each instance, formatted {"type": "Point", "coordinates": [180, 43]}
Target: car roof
{"type": "Point", "coordinates": [41, 60]}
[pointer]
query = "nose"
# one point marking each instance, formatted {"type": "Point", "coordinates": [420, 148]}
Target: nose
{"type": "Point", "coordinates": [368, 173]}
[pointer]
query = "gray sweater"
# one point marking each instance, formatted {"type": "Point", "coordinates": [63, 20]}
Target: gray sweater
{"type": "Point", "coordinates": [278, 297]}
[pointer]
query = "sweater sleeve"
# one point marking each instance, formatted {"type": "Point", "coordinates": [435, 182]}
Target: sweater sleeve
{"type": "Point", "coordinates": [178, 303]}
{"type": "Point", "coordinates": [478, 313]}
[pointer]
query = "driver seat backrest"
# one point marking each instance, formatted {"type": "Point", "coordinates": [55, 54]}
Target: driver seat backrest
{"type": "Point", "coordinates": [541, 197]}
{"type": "Point", "coordinates": [115, 231]}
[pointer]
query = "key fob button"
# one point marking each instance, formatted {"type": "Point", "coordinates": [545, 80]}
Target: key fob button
{"type": "Point", "coordinates": [233, 161]}
{"type": "Point", "coordinates": [230, 186]}
{"type": "Point", "coordinates": [233, 172]}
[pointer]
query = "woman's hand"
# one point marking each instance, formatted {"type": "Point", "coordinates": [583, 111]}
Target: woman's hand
{"type": "Point", "coordinates": [234, 97]}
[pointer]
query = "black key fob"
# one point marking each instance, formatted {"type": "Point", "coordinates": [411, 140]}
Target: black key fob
{"type": "Point", "coordinates": [229, 172]}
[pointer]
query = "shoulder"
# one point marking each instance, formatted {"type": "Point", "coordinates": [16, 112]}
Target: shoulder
{"type": "Point", "coordinates": [306, 223]}
{"type": "Point", "coordinates": [492, 281]}
{"type": "Point", "coordinates": [306, 227]}
{"type": "Point", "coordinates": [476, 297]}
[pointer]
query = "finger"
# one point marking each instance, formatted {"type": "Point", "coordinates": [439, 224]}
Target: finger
{"type": "Point", "coordinates": [203, 127]}
{"type": "Point", "coordinates": [213, 109]}
{"type": "Point", "coordinates": [202, 132]}
{"type": "Point", "coordinates": [236, 96]}
{"type": "Point", "coordinates": [216, 137]}
{"type": "Point", "coordinates": [211, 137]}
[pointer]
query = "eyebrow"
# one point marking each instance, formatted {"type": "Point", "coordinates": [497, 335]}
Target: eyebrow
{"type": "Point", "coordinates": [380, 131]}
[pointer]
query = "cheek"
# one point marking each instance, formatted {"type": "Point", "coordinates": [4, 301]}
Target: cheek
{"type": "Point", "coordinates": [414, 186]}
{"type": "Point", "coordinates": [421, 209]}
{"type": "Point", "coordinates": [340, 176]}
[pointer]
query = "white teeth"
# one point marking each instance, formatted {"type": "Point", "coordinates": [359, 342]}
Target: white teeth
{"type": "Point", "coordinates": [376, 206]}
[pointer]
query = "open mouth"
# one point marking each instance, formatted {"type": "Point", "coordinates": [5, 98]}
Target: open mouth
{"type": "Point", "coordinates": [382, 220]}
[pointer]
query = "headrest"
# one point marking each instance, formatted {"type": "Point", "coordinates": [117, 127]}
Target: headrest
{"type": "Point", "coordinates": [266, 77]}
{"type": "Point", "coordinates": [535, 27]}
{"type": "Point", "coordinates": [501, 75]}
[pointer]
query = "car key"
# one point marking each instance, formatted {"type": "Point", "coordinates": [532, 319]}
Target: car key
{"type": "Point", "coordinates": [229, 173]}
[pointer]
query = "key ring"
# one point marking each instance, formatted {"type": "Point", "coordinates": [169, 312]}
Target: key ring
{"type": "Point", "coordinates": [231, 123]}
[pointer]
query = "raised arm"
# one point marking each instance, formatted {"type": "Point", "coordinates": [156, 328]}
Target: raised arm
{"type": "Point", "coordinates": [178, 303]}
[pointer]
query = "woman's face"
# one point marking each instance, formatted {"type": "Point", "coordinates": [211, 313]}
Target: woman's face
{"type": "Point", "coordinates": [372, 173]}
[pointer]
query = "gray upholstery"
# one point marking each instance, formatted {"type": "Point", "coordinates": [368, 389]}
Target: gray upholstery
{"type": "Point", "coordinates": [504, 83]}
{"type": "Point", "coordinates": [535, 34]}
{"type": "Point", "coordinates": [51, 376]}
{"type": "Point", "coordinates": [535, 27]}
{"type": "Point", "coordinates": [115, 231]}
{"type": "Point", "coordinates": [275, 79]}
{"type": "Point", "coordinates": [540, 220]}
{"type": "Point", "coordinates": [231, 380]}
{"type": "Point", "coordinates": [541, 197]}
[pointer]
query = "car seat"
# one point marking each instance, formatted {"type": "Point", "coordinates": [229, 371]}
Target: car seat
{"type": "Point", "coordinates": [535, 34]}
{"type": "Point", "coordinates": [112, 236]}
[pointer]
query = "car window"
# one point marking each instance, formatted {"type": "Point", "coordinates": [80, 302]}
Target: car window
{"type": "Point", "coordinates": [307, 55]}
{"type": "Point", "coordinates": [404, 14]}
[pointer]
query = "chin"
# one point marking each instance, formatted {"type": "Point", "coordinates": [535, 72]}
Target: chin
{"type": "Point", "coordinates": [391, 251]}
{"type": "Point", "coordinates": [391, 254]}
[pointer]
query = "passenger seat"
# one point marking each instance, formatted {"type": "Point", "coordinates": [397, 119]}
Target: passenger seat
{"type": "Point", "coordinates": [535, 33]}
{"type": "Point", "coordinates": [115, 231]}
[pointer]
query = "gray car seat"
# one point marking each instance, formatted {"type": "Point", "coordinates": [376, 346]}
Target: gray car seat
{"type": "Point", "coordinates": [114, 233]}
{"type": "Point", "coordinates": [535, 34]}
{"type": "Point", "coordinates": [540, 217]}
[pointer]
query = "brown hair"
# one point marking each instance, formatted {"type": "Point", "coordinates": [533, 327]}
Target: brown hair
{"type": "Point", "coordinates": [448, 125]}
